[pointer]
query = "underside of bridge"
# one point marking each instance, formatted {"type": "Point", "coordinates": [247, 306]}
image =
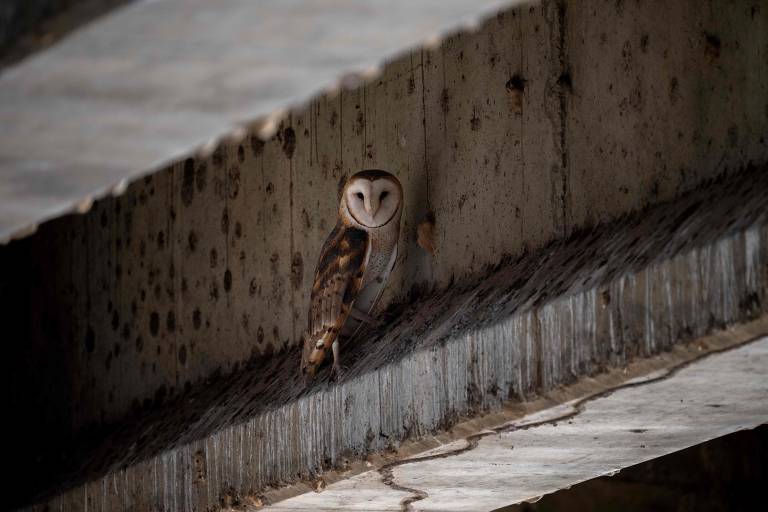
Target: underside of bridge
{"type": "Point", "coordinates": [597, 177]}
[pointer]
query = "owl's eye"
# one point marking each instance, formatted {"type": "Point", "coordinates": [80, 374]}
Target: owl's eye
{"type": "Point", "coordinates": [359, 195]}
{"type": "Point", "coordinates": [383, 195]}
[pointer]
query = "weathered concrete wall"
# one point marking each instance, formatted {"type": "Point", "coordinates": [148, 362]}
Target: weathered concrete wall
{"type": "Point", "coordinates": [644, 285]}
{"type": "Point", "coordinates": [548, 118]}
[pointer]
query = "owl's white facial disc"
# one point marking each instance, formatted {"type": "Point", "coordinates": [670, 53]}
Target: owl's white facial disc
{"type": "Point", "coordinates": [372, 202]}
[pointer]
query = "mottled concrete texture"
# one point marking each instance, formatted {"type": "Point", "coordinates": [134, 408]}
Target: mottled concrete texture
{"type": "Point", "coordinates": [530, 139]}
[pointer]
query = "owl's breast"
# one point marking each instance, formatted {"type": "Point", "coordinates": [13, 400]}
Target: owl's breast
{"type": "Point", "coordinates": [383, 243]}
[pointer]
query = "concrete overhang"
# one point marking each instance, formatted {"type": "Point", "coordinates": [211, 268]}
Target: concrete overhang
{"type": "Point", "coordinates": [157, 80]}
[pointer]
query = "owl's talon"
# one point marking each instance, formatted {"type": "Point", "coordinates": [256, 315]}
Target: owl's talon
{"type": "Point", "coordinates": [336, 372]}
{"type": "Point", "coordinates": [386, 318]}
{"type": "Point", "coordinates": [365, 318]}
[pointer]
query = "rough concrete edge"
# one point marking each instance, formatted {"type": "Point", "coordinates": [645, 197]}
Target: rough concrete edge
{"type": "Point", "coordinates": [573, 397]}
{"type": "Point", "coordinates": [562, 404]}
{"type": "Point", "coordinates": [680, 359]}
{"type": "Point", "coordinates": [265, 124]}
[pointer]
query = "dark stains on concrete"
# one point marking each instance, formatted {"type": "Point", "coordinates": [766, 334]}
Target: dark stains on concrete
{"type": "Point", "coordinates": [233, 183]}
{"type": "Point", "coordinates": [154, 323]}
{"type": "Point", "coordinates": [644, 43]}
{"type": "Point", "coordinates": [712, 47]}
{"type": "Point", "coordinates": [201, 176]}
{"type": "Point", "coordinates": [170, 321]}
{"type": "Point", "coordinates": [90, 340]}
{"type": "Point", "coordinates": [253, 287]}
{"type": "Point", "coordinates": [674, 90]}
{"type": "Point", "coordinates": [359, 121]}
{"type": "Point", "coordinates": [515, 87]}
{"type": "Point", "coordinates": [445, 101]}
{"type": "Point", "coordinates": [192, 241]}
{"type": "Point", "coordinates": [475, 122]}
{"type": "Point", "coordinates": [217, 158]}
{"type": "Point", "coordinates": [188, 182]}
{"type": "Point", "coordinates": [183, 354]}
{"type": "Point", "coordinates": [257, 146]}
{"type": "Point", "coordinates": [297, 270]}
{"type": "Point", "coordinates": [289, 142]}
{"type": "Point", "coordinates": [225, 220]}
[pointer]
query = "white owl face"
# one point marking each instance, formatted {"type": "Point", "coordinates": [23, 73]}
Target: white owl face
{"type": "Point", "coordinates": [373, 197]}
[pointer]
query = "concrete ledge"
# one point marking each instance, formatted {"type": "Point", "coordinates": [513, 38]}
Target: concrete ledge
{"type": "Point", "coordinates": [599, 299]}
{"type": "Point", "coordinates": [711, 388]}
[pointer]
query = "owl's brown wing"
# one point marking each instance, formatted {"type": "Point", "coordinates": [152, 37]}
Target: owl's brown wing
{"type": "Point", "coordinates": [368, 298]}
{"type": "Point", "coordinates": [338, 278]}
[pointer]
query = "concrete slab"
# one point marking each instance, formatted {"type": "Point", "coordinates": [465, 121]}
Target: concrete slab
{"type": "Point", "coordinates": [553, 449]}
{"type": "Point", "coordinates": [156, 79]}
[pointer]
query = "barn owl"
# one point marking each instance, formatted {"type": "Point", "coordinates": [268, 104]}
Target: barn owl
{"type": "Point", "coordinates": [354, 265]}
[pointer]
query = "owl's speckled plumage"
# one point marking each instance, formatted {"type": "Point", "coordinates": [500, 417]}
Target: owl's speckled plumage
{"type": "Point", "coordinates": [355, 262]}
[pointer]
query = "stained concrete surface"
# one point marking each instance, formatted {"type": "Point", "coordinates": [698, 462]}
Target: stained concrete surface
{"type": "Point", "coordinates": [557, 448]}
{"type": "Point", "coordinates": [601, 299]}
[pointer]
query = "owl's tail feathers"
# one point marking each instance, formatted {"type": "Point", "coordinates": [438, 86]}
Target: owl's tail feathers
{"type": "Point", "coordinates": [314, 354]}
{"type": "Point", "coordinates": [309, 368]}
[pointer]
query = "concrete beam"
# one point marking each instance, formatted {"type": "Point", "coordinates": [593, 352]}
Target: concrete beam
{"type": "Point", "coordinates": [599, 300]}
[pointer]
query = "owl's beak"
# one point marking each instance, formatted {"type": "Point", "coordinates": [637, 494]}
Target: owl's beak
{"type": "Point", "coordinates": [371, 205]}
